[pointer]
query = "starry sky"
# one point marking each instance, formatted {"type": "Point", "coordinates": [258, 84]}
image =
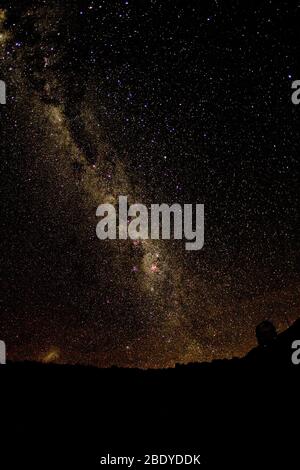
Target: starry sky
{"type": "Point", "coordinates": [162, 101]}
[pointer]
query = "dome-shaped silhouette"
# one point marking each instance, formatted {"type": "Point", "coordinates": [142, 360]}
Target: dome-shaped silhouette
{"type": "Point", "coordinates": [265, 333]}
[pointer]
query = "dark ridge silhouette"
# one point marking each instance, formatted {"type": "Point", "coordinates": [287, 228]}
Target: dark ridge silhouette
{"type": "Point", "coordinates": [231, 412]}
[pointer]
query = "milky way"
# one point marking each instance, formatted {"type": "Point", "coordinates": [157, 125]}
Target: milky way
{"type": "Point", "coordinates": [162, 102]}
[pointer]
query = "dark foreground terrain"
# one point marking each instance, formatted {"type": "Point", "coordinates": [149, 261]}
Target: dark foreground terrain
{"type": "Point", "coordinates": [242, 413]}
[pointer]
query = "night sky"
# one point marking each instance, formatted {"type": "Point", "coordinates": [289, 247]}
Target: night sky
{"type": "Point", "coordinates": [163, 101]}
